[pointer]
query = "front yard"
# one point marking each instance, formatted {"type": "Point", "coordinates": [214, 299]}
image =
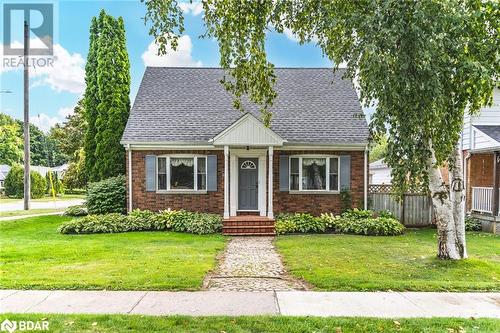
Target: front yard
{"type": "Point", "coordinates": [34, 255]}
{"type": "Point", "coordinates": [135, 323]}
{"type": "Point", "coordinates": [407, 262]}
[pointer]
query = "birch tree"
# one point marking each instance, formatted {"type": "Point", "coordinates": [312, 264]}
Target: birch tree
{"type": "Point", "coordinates": [424, 62]}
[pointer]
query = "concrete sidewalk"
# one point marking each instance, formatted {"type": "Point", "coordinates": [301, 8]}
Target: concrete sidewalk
{"type": "Point", "coordinates": [58, 204]}
{"type": "Point", "coordinates": [292, 303]}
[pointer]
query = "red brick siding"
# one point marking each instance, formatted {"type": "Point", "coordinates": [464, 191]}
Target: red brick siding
{"type": "Point", "coordinates": [213, 202]}
{"type": "Point", "coordinates": [318, 203]}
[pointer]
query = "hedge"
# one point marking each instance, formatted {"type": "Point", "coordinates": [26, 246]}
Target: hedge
{"type": "Point", "coordinates": [14, 183]}
{"type": "Point", "coordinates": [144, 220]}
{"type": "Point", "coordinates": [358, 222]}
{"type": "Point", "coordinates": [107, 196]}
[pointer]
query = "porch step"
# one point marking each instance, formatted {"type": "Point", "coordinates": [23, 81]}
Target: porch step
{"type": "Point", "coordinates": [248, 225]}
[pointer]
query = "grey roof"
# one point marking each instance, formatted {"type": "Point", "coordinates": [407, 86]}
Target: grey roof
{"type": "Point", "coordinates": [190, 105]}
{"type": "Point", "coordinates": [493, 131]}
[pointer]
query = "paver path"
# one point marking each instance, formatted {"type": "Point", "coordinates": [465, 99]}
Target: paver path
{"type": "Point", "coordinates": [251, 264]}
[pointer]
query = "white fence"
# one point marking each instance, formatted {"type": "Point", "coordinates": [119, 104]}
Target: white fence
{"type": "Point", "coordinates": [482, 199]}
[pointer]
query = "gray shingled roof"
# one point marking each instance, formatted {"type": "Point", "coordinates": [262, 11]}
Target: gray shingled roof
{"type": "Point", "coordinates": [493, 131]}
{"type": "Point", "coordinates": [190, 105]}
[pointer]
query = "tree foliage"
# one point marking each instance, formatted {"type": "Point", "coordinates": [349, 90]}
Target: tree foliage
{"type": "Point", "coordinates": [70, 134]}
{"type": "Point", "coordinates": [107, 101]}
{"type": "Point", "coordinates": [378, 149]}
{"type": "Point", "coordinates": [14, 183]}
{"type": "Point", "coordinates": [75, 176]}
{"type": "Point", "coordinates": [11, 149]}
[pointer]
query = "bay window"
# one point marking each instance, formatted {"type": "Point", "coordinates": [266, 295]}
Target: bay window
{"type": "Point", "coordinates": [182, 173]}
{"type": "Point", "coordinates": [314, 173]}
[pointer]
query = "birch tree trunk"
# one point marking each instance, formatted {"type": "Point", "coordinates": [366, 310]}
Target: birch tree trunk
{"type": "Point", "coordinates": [448, 209]}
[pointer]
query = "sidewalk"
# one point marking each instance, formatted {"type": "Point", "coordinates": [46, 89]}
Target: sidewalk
{"type": "Point", "coordinates": [18, 205]}
{"type": "Point", "coordinates": [292, 303]}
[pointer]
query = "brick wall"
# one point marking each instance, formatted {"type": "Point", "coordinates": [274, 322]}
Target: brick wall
{"type": "Point", "coordinates": [213, 202]}
{"type": "Point", "coordinates": [318, 203]}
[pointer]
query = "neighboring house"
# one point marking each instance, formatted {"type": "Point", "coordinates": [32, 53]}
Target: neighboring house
{"type": "Point", "coordinates": [481, 152]}
{"type": "Point", "coordinates": [187, 147]}
{"type": "Point", "coordinates": [380, 173]}
{"type": "Point", "coordinates": [60, 170]}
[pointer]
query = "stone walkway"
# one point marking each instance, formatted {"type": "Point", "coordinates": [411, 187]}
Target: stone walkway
{"type": "Point", "coordinates": [251, 264]}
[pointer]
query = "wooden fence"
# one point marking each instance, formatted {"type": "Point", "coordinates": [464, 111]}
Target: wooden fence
{"type": "Point", "coordinates": [415, 210]}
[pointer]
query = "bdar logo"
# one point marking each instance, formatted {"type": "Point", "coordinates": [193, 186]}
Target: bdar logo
{"type": "Point", "coordinates": [9, 326]}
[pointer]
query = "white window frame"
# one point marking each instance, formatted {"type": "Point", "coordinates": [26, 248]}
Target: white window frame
{"type": "Point", "coordinates": [195, 174]}
{"type": "Point", "coordinates": [327, 189]}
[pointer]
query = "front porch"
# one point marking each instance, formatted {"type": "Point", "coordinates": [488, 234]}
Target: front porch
{"type": "Point", "coordinates": [483, 188]}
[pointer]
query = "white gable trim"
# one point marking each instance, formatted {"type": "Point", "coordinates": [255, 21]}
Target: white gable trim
{"type": "Point", "coordinates": [247, 131]}
{"type": "Point", "coordinates": [481, 140]}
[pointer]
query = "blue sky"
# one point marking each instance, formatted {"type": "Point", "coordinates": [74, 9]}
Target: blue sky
{"type": "Point", "coordinates": [55, 90]}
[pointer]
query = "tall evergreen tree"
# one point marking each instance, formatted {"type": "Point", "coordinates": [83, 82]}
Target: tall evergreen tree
{"type": "Point", "coordinates": [107, 99]}
{"type": "Point", "coordinates": [91, 101]}
{"type": "Point", "coordinates": [113, 81]}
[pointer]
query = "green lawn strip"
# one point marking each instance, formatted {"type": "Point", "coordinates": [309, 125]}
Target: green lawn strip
{"type": "Point", "coordinates": [65, 197]}
{"type": "Point", "coordinates": [35, 256]}
{"type": "Point", "coordinates": [134, 323]}
{"type": "Point", "coordinates": [407, 262]}
{"type": "Point", "coordinates": [31, 211]}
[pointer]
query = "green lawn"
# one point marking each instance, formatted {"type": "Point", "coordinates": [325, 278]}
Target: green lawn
{"type": "Point", "coordinates": [408, 262]}
{"type": "Point", "coordinates": [130, 323]}
{"type": "Point", "coordinates": [34, 256]}
{"type": "Point", "coordinates": [31, 211]}
{"type": "Point", "coordinates": [64, 197]}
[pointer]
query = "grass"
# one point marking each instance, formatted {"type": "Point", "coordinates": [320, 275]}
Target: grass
{"type": "Point", "coordinates": [407, 262]}
{"type": "Point", "coordinates": [31, 211]}
{"type": "Point", "coordinates": [33, 255]}
{"type": "Point", "coordinates": [133, 323]}
{"type": "Point", "coordinates": [64, 197]}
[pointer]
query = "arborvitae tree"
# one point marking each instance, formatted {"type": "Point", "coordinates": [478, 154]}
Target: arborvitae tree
{"type": "Point", "coordinates": [109, 96]}
{"type": "Point", "coordinates": [91, 101]}
{"type": "Point", "coordinates": [113, 81]}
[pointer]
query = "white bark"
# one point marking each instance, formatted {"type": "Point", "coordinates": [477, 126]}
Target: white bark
{"type": "Point", "coordinates": [448, 212]}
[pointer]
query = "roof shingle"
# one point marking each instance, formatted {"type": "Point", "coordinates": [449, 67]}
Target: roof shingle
{"type": "Point", "coordinates": [190, 105]}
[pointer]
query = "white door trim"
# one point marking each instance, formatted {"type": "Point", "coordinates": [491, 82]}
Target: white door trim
{"type": "Point", "coordinates": [261, 154]}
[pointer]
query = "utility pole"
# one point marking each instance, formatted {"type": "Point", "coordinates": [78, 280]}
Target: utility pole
{"type": "Point", "coordinates": [27, 180]}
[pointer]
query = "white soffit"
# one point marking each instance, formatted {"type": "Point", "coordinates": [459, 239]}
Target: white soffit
{"type": "Point", "coordinates": [248, 131]}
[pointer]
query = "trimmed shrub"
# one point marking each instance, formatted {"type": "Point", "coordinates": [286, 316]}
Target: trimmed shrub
{"type": "Point", "coordinates": [14, 183]}
{"type": "Point", "coordinates": [472, 224]}
{"type": "Point", "coordinates": [144, 220]}
{"type": "Point", "coordinates": [75, 211]}
{"type": "Point", "coordinates": [298, 222]}
{"type": "Point", "coordinates": [107, 196]}
{"type": "Point", "coordinates": [349, 223]}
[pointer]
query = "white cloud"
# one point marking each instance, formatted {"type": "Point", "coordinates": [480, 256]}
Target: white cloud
{"type": "Point", "coordinates": [181, 57]}
{"type": "Point", "coordinates": [66, 111]}
{"type": "Point", "coordinates": [44, 122]}
{"type": "Point", "coordinates": [194, 8]}
{"type": "Point", "coordinates": [64, 71]}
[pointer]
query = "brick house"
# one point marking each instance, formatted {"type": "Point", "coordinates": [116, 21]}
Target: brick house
{"type": "Point", "coordinates": [481, 154]}
{"type": "Point", "coordinates": [188, 148]}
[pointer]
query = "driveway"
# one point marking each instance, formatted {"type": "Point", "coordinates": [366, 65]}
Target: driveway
{"type": "Point", "coordinates": [18, 205]}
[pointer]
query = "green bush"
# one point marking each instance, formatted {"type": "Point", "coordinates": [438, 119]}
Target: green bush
{"type": "Point", "coordinates": [56, 182]}
{"type": "Point", "coordinates": [298, 222]}
{"type": "Point", "coordinates": [472, 224]}
{"type": "Point", "coordinates": [345, 200]}
{"type": "Point", "coordinates": [107, 196]}
{"type": "Point", "coordinates": [143, 220]}
{"type": "Point", "coordinates": [14, 183]}
{"type": "Point", "coordinates": [75, 211]}
{"type": "Point", "coordinates": [362, 224]}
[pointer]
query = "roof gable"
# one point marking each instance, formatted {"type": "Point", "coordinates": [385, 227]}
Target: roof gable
{"type": "Point", "coordinates": [248, 131]}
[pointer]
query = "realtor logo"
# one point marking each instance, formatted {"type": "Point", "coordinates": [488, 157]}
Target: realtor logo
{"type": "Point", "coordinates": [43, 30]}
{"type": "Point", "coordinates": [9, 326]}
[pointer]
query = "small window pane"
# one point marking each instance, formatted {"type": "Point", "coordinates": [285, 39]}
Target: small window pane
{"type": "Point", "coordinates": [162, 182]}
{"type": "Point", "coordinates": [294, 174]}
{"type": "Point", "coordinates": [294, 168]}
{"type": "Point", "coordinates": [202, 165]}
{"type": "Point", "coordinates": [334, 165]}
{"type": "Point", "coordinates": [181, 173]}
{"type": "Point", "coordinates": [162, 165]}
{"type": "Point", "coordinates": [334, 182]}
{"type": "Point", "coordinates": [314, 173]}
